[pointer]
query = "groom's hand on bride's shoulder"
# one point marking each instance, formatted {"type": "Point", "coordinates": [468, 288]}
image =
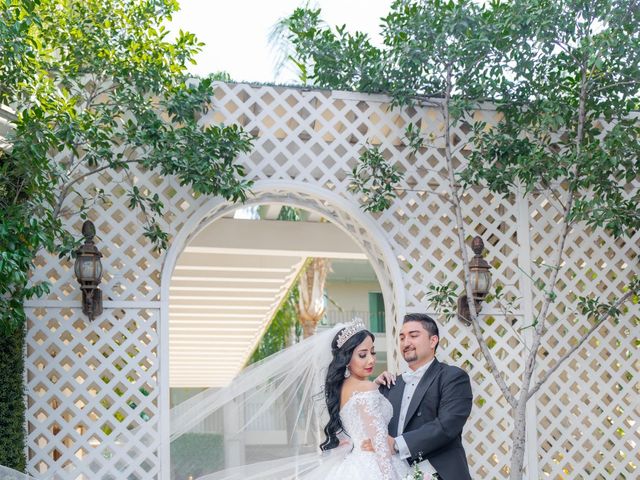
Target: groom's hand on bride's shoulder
{"type": "Point", "coordinates": [385, 378]}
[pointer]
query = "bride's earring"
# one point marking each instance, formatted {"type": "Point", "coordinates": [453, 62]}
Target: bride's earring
{"type": "Point", "coordinates": [347, 373]}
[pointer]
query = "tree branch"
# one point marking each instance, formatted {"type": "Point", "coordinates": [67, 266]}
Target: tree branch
{"type": "Point", "coordinates": [455, 199]}
{"type": "Point", "coordinates": [66, 188]}
{"type": "Point", "coordinates": [615, 84]}
{"type": "Point", "coordinates": [442, 197]}
{"type": "Point", "coordinates": [530, 363]}
{"type": "Point", "coordinates": [564, 358]}
{"type": "Point", "coordinates": [567, 212]}
{"type": "Point", "coordinates": [427, 101]}
{"type": "Point", "coordinates": [556, 196]}
{"type": "Point", "coordinates": [21, 183]}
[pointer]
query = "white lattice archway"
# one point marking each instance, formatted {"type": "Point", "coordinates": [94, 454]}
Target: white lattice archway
{"type": "Point", "coordinates": [347, 216]}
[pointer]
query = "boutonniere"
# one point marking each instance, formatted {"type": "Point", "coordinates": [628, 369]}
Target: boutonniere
{"type": "Point", "coordinates": [416, 473]}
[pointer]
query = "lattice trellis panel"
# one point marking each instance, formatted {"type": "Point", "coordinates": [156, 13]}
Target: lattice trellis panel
{"type": "Point", "coordinates": [89, 384]}
{"type": "Point", "coordinates": [131, 266]}
{"type": "Point", "coordinates": [588, 413]}
{"type": "Point", "coordinates": [307, 141]}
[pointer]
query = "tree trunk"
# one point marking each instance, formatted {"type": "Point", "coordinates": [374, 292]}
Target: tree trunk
{"type": "Point", "coordinates": [518, 439]}
{"type": "Point", "coordinates": [12, 407]}
{"type": "Point", "coordinates": [309, 325]}
{"type": "Point", "coordinates": [311, 299]}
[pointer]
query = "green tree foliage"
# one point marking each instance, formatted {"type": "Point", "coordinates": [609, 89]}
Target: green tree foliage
{"type": "Point", "coordinates": [92, 87]}
{"type": "Point", "coordinates": [196, 454]}
{"type": "Point", "coordinates": [278, 334]}
{"type": "Point", "coordinates": [96, 86]}
{"type": "Point", "coordinates": [566, 78]}
{"type": "Point", "coordinates": [12, 405]}
{"type": "Point", "coordinates": [17, 46]}
{"type": "Point", "coordinates": [575, 69]}
{"type": "Point", "coordinates": [328, 59]}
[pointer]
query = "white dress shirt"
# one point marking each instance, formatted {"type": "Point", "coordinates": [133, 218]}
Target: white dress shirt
{"type": "Point", "coordinates": [411, 380]}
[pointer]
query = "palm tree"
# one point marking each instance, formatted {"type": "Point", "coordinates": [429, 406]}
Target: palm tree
{"type": "Point", "coordinates": [311, 284]}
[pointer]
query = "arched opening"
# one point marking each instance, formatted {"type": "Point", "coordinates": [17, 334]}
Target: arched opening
{"type": "Point", "coordinates": [219, 265]}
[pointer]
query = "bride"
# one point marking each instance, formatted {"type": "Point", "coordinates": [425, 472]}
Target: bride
{"type": "Point", "coordinates": [318, 388]}
{"type": "Point", "coordinates": [357, 409]}
{"type": "Point", "coordinates": [335, 364]}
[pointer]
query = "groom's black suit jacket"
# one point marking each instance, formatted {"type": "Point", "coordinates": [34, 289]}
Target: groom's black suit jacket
{"type": "Point", "coordinates": [438, 410]}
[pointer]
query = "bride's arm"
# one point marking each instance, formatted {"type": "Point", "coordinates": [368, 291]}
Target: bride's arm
{"type": "Point", "coordinates": [368, 408]}
{"type": "Point", "coordinates": [344, 439]}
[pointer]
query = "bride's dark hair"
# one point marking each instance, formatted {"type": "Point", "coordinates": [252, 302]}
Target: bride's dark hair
{"type": "Point", "coordinates": [333, 384]}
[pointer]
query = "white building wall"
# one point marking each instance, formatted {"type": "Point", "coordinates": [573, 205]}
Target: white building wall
{"type": "Point", "coordinates": [350, 296]}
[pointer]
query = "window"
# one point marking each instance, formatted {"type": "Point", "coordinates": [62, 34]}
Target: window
{"type": "Point", "coordinates": [376, 312]}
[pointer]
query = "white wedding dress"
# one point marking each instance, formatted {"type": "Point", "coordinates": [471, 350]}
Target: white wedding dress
{"type": "Point", "coordinates": [366, 416]}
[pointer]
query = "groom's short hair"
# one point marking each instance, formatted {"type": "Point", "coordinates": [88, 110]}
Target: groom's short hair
{"type": "Point", "coordinates": [428, 323]}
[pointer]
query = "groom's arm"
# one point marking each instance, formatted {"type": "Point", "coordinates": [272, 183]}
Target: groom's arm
{"type": "Point", "coordinates": [453, 410]}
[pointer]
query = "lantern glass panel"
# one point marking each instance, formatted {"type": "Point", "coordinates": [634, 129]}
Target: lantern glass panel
{"type": "Point", "coordinates": [483, 282]}
{"type": "Point", "coordinates": [98, 264]}
{"type": "Point", "coordinates": [87, 268]}
{"type": "Point", "coordinates": [76, 267]}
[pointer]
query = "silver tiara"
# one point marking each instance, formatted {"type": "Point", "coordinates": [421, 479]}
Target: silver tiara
{"type": "Point", "coordinates": [349, 331]}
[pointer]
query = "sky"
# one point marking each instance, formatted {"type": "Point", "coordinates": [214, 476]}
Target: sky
{"type": "Point", "coordinates": [236, 31]}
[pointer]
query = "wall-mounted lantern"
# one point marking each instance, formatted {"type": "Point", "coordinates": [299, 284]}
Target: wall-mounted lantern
{"type": "Point", "coordinates": [88, 271]}
{"type": "Point", "coordinates": [480, 281]}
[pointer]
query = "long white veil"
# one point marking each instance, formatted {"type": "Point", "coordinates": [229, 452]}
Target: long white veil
{"type": "Point", "coordinates": [295, 374]}
{"type": "Point", "coordinates": [267, 424]}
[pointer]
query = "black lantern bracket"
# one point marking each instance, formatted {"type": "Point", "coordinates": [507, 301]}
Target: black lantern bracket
{"type": "Point", "coordinates": [88, 270]}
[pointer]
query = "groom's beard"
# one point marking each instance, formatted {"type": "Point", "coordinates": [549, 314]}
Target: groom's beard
{"type": "Point", "coordinates": [410, 355]}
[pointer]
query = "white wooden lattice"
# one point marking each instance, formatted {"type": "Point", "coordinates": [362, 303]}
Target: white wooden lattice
{"type": "Point", "coordinates": [588, 413]}
{"type": "Point", "coordinates": [306, 142]}
{"type": "Point", "coordinates": [89, 384]}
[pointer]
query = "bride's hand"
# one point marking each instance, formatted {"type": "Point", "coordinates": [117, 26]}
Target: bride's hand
{"type": "Point", "coordinates": [367, 446]}
{"type": "Point", "coordinates": [392, 443]}
{"type": "Point", "coordinates": [385, 378]}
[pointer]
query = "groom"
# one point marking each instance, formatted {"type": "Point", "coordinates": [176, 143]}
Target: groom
{"type": "Point", "coordinates": [431, 403]}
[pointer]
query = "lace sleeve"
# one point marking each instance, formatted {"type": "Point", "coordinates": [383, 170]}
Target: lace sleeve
{"type": "Point", "coordinates": [367, 405]}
